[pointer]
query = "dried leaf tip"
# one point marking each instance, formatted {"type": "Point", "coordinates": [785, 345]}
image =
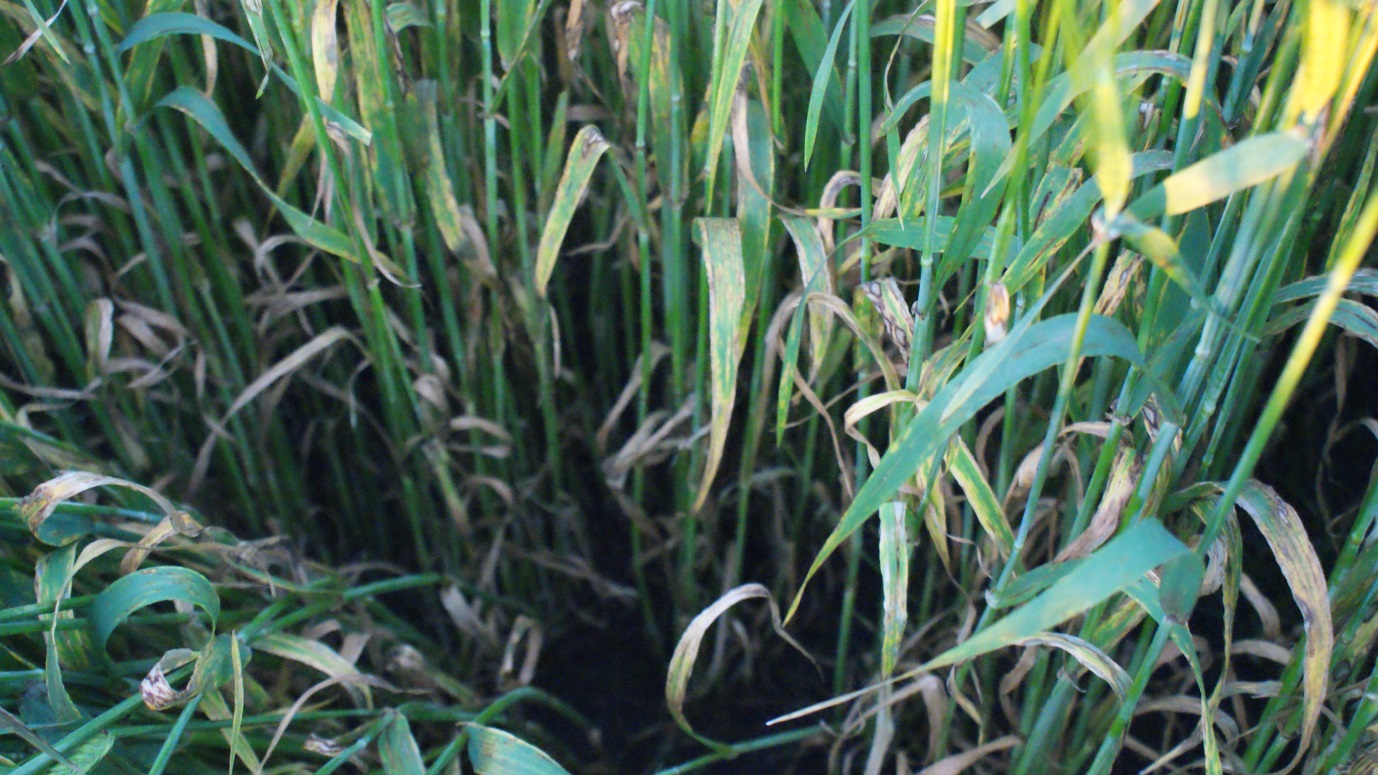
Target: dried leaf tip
{"type": "Point", "coordinates": [997, 314]}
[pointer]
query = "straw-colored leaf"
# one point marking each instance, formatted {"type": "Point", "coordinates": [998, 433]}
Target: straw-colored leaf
{"type": "Point", "coordinates": [687, 650]}
{"type": "Point", "coordinates": [588, 147]}
{"type": "Point", "coordinates": [325, 47]}
{"type": "Point", "coordinates": [1124, 476]}
{"type": "Point", "coordinates": [721, 240]}
{"type": "Point", "coordinates": [1292, 548]}
{"type": "Point", "coordinates": [1325, 54]}
{"type": "Point", "coordinates": [495, 752]}
{"type": "Point", "coordinates": [38, 507]}
{"type": "Point", "coordinates": [315, 654]}
{"type": "Point", "coordinates": [294, 360]}
{"type": "Point", "coordinates": [1086, 653]}
{"type": "Point", "coordinates": [962, 762]}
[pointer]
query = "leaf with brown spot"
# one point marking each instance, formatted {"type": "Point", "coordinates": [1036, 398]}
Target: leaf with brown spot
{"type": "Point", "coordinates": [1292, 548]}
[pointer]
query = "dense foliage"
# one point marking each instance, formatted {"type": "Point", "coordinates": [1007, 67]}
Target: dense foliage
{"type": "Point", "coordinates": [441, 386]}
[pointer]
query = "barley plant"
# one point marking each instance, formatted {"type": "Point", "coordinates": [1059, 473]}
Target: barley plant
{"type": "Point", "coordinates": [517, 386]}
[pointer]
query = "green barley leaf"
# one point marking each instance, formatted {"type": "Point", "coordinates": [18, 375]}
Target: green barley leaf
{"type": "Point", "coordinates": [721, 240]}
{"type": "Point", "coordinates": [921, 27]}
{"type": "Point", "coordinates": [85, 756]}
{"type": "Point", "coordinates": [729, 56]}
{"type": "Point", "coordinates": [588, 147]}
{"type": "Point", "coordinates": [1148, 598]}
{"type": "Point", "coordinates": [178, 23]}
{"type": "Point", "coordinates": [204, 112]}
{"type": "Point", "coordinates": [821, 83]}
{"type": "Point", "coordinates": [985, 188]}
{"type": "Point", "coordinates": [811, 39]}
{"type": "Point", "coordinates": [1110, 569]}
{"type": "Point", "coordinates": [909, 233]}
{"type": "Point", "coordinates": [1364, 281]}
{"type": "Point", "coordinates": [13, 724]}
{"type": "Point", "coordinates": [1355, 318]}
{"type": "Point", "coordinates": [1067, 215]}
{"type": "Point", "coordinates": [1029, 349]}
{"type": "Point", "coordinates": [146, 587]}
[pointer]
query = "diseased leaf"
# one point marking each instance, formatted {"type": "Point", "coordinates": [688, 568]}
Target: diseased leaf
{"type": "Point", "coordinates": [1113, 568]}
{"type": "Point", "coordinates": [1215, 177]}
{"type": "Point", "coordinates": [1325, 54]}
{"type": "Point", "coordinates": [729, 55]}
{"type": "Point", "coordinates": [687, 650]}
{"type": "Point", "coordinates": [1292, 548]}
{"type": "Point", "coordinates": [495, 752]}
{"type": "Point", "coordinates": [588, 147]}
{"type": "Point", "coordinates": [398, 751]}
{"type": "Point", "coordinates": [721, 239]}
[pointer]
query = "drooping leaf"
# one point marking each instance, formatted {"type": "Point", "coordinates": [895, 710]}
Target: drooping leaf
{"type": "Point", "coordinates": [1296, 555]}
{"type": "Point", "coordinates": [143, 588]}
{"type": "Point", "coordinates": [327, 238]}
{"type": "Point", "coordinates": [687, 650]}
{"type": "Point", "coordinates": [1116, 567]}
